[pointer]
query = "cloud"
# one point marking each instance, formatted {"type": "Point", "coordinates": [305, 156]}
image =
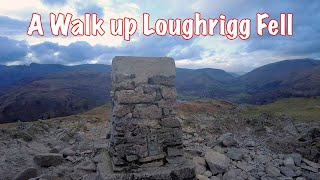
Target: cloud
{"type": "Point", "coordinates": [82, 52]}
{"type": "Point", "coordinates": [83, 8]}
{"type": "Point", "coordinates": [215, 52]}
{"type": "Point", "coordinates": [54, 2]}
{"type": "Point", "coordinates": [12, 50]}
{"type": "Point", "coordinates": [10, 26]}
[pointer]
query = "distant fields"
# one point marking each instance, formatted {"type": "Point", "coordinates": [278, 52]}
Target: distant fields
{"type": "Point", "coordinates": [301, 109]}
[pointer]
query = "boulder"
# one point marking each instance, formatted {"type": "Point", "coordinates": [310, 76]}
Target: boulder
{"type": "Point", "coordinates": [67, 152]}
{"type": "Point", "coordinates": [312, 169]}
{"type": "Point", "coordinates": [272, 171]}
{"type": "Point", "coordinates": [235, 154]}
{"type": "Point", "coordinates": [48, 159]}
{"type": "Point", "coordinates": [175, 151]}
{"type": "Point", "coordinates": [207, 174]}
{"type": "Point", "coordinates": [287, 171]}
{"type": "Point", "coordinates": [27, 173]}
{"type": "Point", "coordinates": [201, 177]}
{"type": "Point", "coordinates": [87, 166]}
{"type": "Point", "coordinates": [297, 158]}
{"type": "Point", "coordinates": [227, 140]}
{"type": "Point", "coordinates": [217, 162]}
{"type": "Point", "coordinates": [312, 164]}
{"type": "Point", "coordinates": [289, 162]}
{"type": "Point", "coordinates": [234, 174]}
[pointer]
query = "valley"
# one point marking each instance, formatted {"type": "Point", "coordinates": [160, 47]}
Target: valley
{"type": "Point", "coordinates": [47, 91]}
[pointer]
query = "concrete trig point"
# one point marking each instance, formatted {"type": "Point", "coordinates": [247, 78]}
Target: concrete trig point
{"type": "Point", "coordinates": [146, 136]}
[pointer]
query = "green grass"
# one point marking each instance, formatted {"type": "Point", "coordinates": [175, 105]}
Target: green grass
{"type": "Point", "coordinates": [301, 109]}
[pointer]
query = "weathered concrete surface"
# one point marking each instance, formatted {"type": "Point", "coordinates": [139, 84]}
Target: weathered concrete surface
{"type": "Point", "coordinates": [143, 68]}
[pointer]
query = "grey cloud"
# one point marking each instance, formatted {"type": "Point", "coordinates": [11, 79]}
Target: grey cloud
{"type": "Point", "coordinates": [10, 26]}
{"type": "Point", "coordinates": [90, 8]}
{"type": "Point", "coordinates": [54, 2]}
{"type": "Point", "coordinates": [12, 50]}
{"type": "Point", "coordinates": [83, 52]}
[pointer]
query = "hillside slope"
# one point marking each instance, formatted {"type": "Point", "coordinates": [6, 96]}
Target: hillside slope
{"type": "Point", "coordinates": [290, 78]}
{"type": "Point", "coordinates": [55, 95]}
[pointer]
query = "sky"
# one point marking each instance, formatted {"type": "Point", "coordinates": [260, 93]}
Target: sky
{"type": "Point", "coordinates": [200, 52]}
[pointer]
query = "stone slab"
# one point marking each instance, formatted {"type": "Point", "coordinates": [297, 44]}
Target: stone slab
{"type": "Point", "coordinates": [143, 67]}
{"type": "Point", "coordinates": [183, 171]}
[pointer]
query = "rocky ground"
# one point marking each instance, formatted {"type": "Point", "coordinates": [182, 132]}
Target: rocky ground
{"type": "Point", "coordinates": [221, 142]}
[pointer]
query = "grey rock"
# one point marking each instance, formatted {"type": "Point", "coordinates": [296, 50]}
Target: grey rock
{"type": "Point", "coordinates": [199, 160]}
{"type": "Point", "coordinates": [272, 171]}
{"type": "Point", "coordinates": [311, 176]}
{"type": "Point", "coordinates": [89, 177]}
{"type": "Point", "coordinates": [149, 112]}
{"type": "Point", "coordinates": [71, 158]}
{"type": "Point", "coordinates": [67, 152]}
{"type": "Point", "coordinates": [168, 93]}
{"type": "Point", "coordinates": [156, 66]}
{"type": "Point", "coordinates": [234, 174]}
{"type": "Point", "coordinates": [297, 158]}
{"type": "Point", "coordinates": [178, 160]}
{"type": "Point", "coordinates": [263, 158]}
{"type": "Point", "coordinates": [287, 171]}
{"type": "Point", "coordinates": [134, 96]}
{"type": "Point", "coordinates": [244, 166]}
{"type": "Point", "coordinates": [250, 143]}
{"type": "Point", "coordinates": [289, 162]}
{"type": "Point", "coordinates": [171, 122]}
{"type": "Point", "coordinates": [291, 129]}
{"type": "Point", "coordinates": [200, 163]}
{"type": "Point", "coordinates": [151, 158]}
{"type": "Point", "coordinates": [301, 178]}
{"type": "Point", "coordinates": [131, 158]}
{"type": "Point", "coordinates": [310, 163]}
{"type": "Point", "coordinates": [298, 172]}
{"type": "Point", "coordinates": [175, 151]}
{"type": "Point", "coordinates": [122, 110]}
{"type": "Point", "coordinates": [87, 166]}
{"type": "Point", "coordinates": [227, 140]}
{"type": "Point", "coordinates": [235, 154]}
{"type": "Point", "coordinates": [56, 149]}
{"type": "Point", "coordinates": [97, 158]}
{"type": "Point", "coordinates": [27, 173]}
{"type": "Point", "coordinates": [217, 162]}
{"type": "Point", "coordinates": [201, 177]}
{"type": "Point", "coordinates": [309, 168]}
{"type": "Point", "coordinates": [214, 178]}
{"type": "Point", "coordinates": [162, 80]}
{"type": "Point", "coordinates": [219, 149]}
{"type": "Point", "coordinates": [200, 169]}
{"type": "Point", "coordinates": [207, 174]}
{"type": "Point", "coordinates": [48, 159]}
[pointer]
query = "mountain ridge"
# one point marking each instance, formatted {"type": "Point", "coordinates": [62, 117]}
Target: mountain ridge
{"type": "Point", "coordinates": [46, 91]}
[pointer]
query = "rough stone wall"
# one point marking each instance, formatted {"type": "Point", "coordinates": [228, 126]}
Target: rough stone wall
{"type": "Point", "coordinates": [145, 131]}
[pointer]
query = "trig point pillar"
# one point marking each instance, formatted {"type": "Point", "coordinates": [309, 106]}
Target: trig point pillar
{"type": "Point", "coordinates": [146, 136]}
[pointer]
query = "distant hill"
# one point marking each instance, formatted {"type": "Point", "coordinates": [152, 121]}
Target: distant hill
{"type": "Point", "coordinates": [55, 95]}
{"type": "Point", "coordinates": [19, 75]}
{"type": "Point", "coordinates": [290, 78]}
{"type": "Point", "coordinates": [204, 83]}
{"type": "Point", "coordinates": [46, 91]}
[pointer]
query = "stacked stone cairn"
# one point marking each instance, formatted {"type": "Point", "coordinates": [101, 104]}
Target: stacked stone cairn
{"type": "Point", "coordinates": [145, 131]}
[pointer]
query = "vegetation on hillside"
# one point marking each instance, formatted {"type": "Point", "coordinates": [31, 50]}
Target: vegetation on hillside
{"type": "Point", "coordinates": [301, 109]}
